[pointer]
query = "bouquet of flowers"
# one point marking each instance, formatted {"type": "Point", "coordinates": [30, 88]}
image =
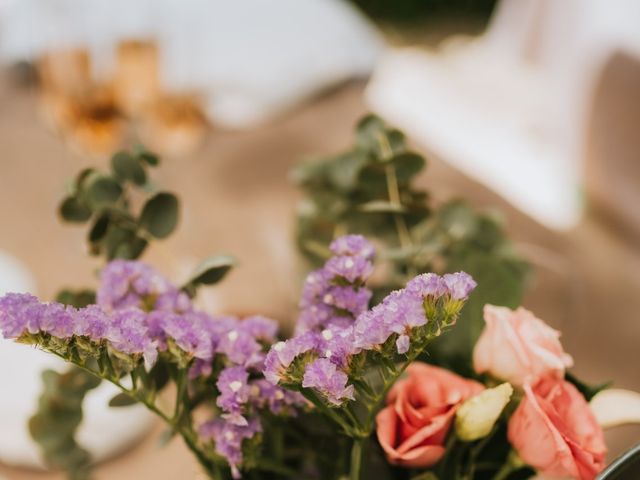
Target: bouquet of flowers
{"type": "Point", "coordinates": [353, 393]}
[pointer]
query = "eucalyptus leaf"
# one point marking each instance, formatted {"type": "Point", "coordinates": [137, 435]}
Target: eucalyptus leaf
{"type": "Point", "coordinates": [149, 157]}
{"type": "Point", "coordinates": [128, 167]}
{"type": "Point", "coordinates": [73, 210]}
{"type": "Point", "coordinates": [122, 400]}
{"type": "Point", "coordinates": [210, 271]}
{"type": "Point", "coordinates": [76, 298]}
{"type": "Point", "coordinates": [407, 165]}
{"type": "Point", "coordinates": [102, 191]}
{"type": "Point", "coordinates": [369, 131]}
{"type": "Point", "coordinates": [82, 176]}
{"type": "Point", "coordinates": [344, 171]}
{"type": "Point", "coordinates": [159, 215]}
{"type": "Point", "coordinates": [98, 230]}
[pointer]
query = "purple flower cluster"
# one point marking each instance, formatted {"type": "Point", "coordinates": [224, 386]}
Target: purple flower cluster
{"type": "Point", "coordinates": [240, 400]}
{"type": "Point", "coordinates": [125, 329]}
{"type": "Point", "coordinates": [334, 294]}
{"type": "Point", "coordinates": [321, 353]}
{"type": "Point", "coordinates": [323, 375]}
{"type": "Point", "coordinates": [228, 438]}
{"type": "Point", "coordinates": [141, 314]}
{"type": "Point", "coordinates": [126, 283]}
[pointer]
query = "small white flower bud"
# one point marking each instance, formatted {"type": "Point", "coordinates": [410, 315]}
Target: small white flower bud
{"type": "Point", "coordinates": [476, 417]}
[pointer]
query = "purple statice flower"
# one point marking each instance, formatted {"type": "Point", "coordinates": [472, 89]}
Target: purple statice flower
{"type": "Point", "coordinates": [427, 285]}
{"type": "Point", "coordinates": [459, 285]}
{"type": "Point", "coordinates": [215, 326]}
{"type": "Point", "coordinates": [228, 439]}
{"type": "Point", "coordinates": [352, 269]}
{"type": "Point", "coordinates": [370, 329]}
{"type": "Point", "coordinates": [282, 354]}
{"type": "Point", "coordinates": [314, 313]}
{"type": "Point", "coordinates": [326, 300]}
{"type": "Point", "coordinates": [240, 347]}
{"type": "Point", "coordinates": [185, 330]}
{"type": "Point", "coordinates": [93, 322]}
{"type": "Point", "coordinates": [261, 328]}
{"type": "Point", "coordinates": [128, 333]}
{"type": "Point", "coordinates": [322, 375]}
{"type": "Point", "coordinates": [126, 283]}
{"type": "Point", "coordinates": [402, 344]}
{"type": "Point", "coordinates": [399, 312]}
{"type": "Point", "coordinates": [234, 393]}
{"type": "Point", "coordinates": [19, 313]}
{"type": "Point", "coordinates": [403, 311]}
{"type": "Point", "coordinates": [263, 394]}
{"type": "Point", "coordinates": [57, 319]}
{"type": "Point", "coordinates": [337, 344]}
{"type": "Point", "coordinates": [353, 245]}
{"type": "Point", "coordinates": [347, 298]}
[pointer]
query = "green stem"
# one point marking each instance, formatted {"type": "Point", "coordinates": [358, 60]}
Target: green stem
{"type": "Point", "coordinates": [512, 464]}
{"type": "Point", "coordinates": [356, 459]}
{"type": "Point", "coordinates": [388, 383]}
{"type": "Point", "coordinates": [318, 403]}
{"type": "Point", "coordinates": [181, 388]}
{"type": "Point", "coordinates": [393, 191]}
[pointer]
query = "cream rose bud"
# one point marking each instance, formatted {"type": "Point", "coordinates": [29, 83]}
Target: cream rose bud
{"type": "Point", "coordinates": [518, 347]}
{"type": "Point", "coordinates": [476, 417]}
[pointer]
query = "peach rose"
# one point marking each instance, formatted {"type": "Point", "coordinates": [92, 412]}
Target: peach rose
{"type": "Point", "coordinates": [518, 347]}
{"type": "Point", "coordinates": [554, 430]}
{"type": "Point", "coordinates": [420, 410]}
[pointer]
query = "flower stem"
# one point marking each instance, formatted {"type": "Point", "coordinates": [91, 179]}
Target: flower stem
{"type": "Point", "coordinates": [512, 464]}
{"type": "Point", "coordinates": [356, 458]}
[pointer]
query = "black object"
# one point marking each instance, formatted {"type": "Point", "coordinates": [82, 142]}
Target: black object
{"type": "Point", "coordinates": [625, 467]}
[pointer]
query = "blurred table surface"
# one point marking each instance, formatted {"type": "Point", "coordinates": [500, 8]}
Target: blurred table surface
{"type": "Point", "coordinates": [237, 199]}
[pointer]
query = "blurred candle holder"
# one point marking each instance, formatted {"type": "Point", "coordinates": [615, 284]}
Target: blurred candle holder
{"type": "Point", "coordinates": [96, 117]}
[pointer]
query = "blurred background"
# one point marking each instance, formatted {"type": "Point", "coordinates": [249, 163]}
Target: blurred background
{"type": "Point", "coordinates": [527, 107]}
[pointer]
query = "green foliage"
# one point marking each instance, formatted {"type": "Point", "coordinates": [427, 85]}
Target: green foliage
{"type": "Point", "coordinates": [370, 189]}
{"type": "Point", "coordinates": [159, 215]}
{"type": "Point", "coordinates": [209, 272]}
{"type": "Point", "coordinates": [104, 200]}
{"type": "Point", "coordinates": [59, 415]}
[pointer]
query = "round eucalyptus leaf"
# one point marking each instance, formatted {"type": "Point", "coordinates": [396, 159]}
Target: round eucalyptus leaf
{"type": "Point", "coordinates": [369, 131]}
{"type": "Point", "coordinates": [159, 215]}
{"type": "Point", "coordinates": [122, 400]}
{"type": "Point", "coordinates": [149, 157]}
{"type": "Point", "coordinates": [82, 176]}
{"type": "Point", "coordinates": [131, 248]}
{"type": "Point", "coordinates": [73, 210]}
{"type": "Point", "coordinates": [396, 140]}
{"type": "Point", "coordinates": [102, 191]}
{"type": "Point", "coordinates": [211, 270]}
{"type": "Point", "coordinates": [407, 165]}
{"type": "Point", "coordinates": [99, 229]}
{"type": "Point", "coordinates": [128, 167]}
{"type": "Point", "coordinates": [77, 298]}
{"type": "Point", "coordinates": [115, 237]}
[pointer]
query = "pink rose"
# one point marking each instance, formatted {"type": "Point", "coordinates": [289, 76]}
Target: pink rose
{"type": "Point", "coordinates": [420, 410]}
{"type": "Point", "coordinates": [554, 431]}
{"type": "Point", "coordinates": [518, 347]}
